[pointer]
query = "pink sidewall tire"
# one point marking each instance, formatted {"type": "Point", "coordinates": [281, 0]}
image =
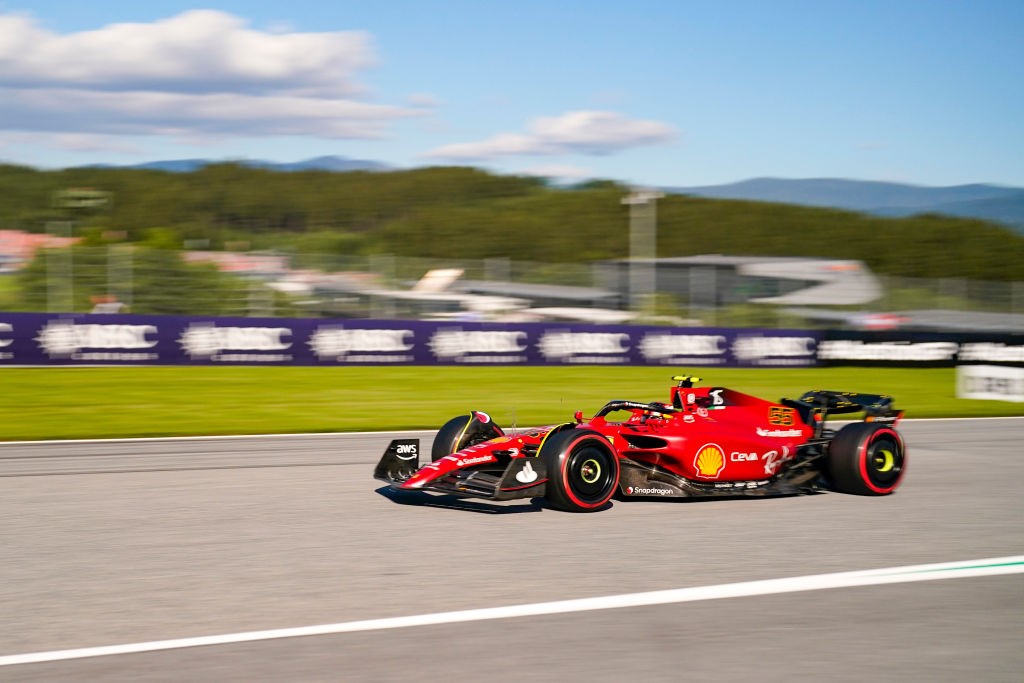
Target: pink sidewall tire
{"type": "Point", "coordinates": [583, 470]}
{"type": "Point", "coordinates": [867, 459]}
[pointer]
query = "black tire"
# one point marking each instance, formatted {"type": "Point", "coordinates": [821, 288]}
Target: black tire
{"type": "Point", "coordinates": [583, 470]}
{"type": "Point", "coordinates": [463, 431]}
{"type": "Point", "coordinates": [867, 459]}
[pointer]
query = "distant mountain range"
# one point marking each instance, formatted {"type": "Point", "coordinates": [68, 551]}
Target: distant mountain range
{"type": "Point", "coordinates": [988, 202]}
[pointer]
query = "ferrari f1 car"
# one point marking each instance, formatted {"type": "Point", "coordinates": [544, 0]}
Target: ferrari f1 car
{"type": "Point", "coordinates": [705, 441]}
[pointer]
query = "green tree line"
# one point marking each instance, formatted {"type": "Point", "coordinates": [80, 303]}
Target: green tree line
{"type": "Point", "coordinates": [446, 212]}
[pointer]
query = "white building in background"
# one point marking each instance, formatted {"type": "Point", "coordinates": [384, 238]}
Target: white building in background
{"type": "Point", "coordinates": [713, 280]}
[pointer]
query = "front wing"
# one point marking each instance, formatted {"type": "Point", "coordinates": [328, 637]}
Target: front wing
{"type": "Point", "coordinates": [520, 478]}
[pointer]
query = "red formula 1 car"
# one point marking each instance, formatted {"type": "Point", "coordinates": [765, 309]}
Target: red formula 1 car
{"type": "Point", "coordinates": [706, 441]}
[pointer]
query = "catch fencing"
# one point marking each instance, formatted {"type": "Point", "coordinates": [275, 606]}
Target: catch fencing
{"type": "Point", "coordinates": [278, 284]}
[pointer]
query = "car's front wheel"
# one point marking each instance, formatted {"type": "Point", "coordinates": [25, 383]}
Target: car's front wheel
{"type": "Point", "coordinates": [583, 470]}
{"type": "Point", "coordinates": [463, 431]}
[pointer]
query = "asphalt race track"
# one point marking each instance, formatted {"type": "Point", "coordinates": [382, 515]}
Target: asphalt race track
{"type": "Point", "coordinates": [120, 543]}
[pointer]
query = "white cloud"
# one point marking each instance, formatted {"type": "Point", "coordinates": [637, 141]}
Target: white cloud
{"type": "Point", "coordinates": [163, 113]}
{"type": "Point", "coordinates": [203, 72]}
{"type": "Point", "coordinates": [199, 50]}
{"type": "Point", "coordinates": [75, 142]}
{"type": "Point", "coordinates": [578, 132]}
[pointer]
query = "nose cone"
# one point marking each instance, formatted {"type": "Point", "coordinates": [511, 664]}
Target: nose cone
{"type": "Point", "coordinates": [446, 465]}
{"type": "Point", "coordinates": [425, 475]}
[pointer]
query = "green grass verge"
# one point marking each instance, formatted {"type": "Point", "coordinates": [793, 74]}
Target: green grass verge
{"type": "Point", "coordinates": [65, 403]}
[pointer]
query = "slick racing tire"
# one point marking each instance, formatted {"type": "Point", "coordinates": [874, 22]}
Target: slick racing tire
{"type": "Point", "coordinates": [583, 470]}
{"type": "Point", "coordinates": [866, 459]}
{"type": "Point", "coordinates": [463, 431]}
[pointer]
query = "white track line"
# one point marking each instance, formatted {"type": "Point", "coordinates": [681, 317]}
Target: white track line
{"type": "Point", "coordinates": [871, 577]}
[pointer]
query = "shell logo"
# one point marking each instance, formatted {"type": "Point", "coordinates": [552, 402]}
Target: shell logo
{"type": "Point", "coordinates": [710, 461]}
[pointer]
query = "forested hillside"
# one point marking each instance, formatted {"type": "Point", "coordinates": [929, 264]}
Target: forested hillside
{"type": "Point", "coordinates": [469, 213]}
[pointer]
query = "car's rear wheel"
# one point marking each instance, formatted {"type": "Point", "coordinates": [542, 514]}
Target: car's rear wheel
{"type": "Point", "coordinates": [462, 432]}
{"type": "Point", "coordinates": [583, 470]}
{"type": "Point", "coordinates": [867, 459]}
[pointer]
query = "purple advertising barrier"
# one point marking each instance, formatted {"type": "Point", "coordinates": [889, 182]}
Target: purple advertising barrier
{"type": "Point", "coordinates": [86, 339]}
{"type": "Point", "coordinates": [453, 343]}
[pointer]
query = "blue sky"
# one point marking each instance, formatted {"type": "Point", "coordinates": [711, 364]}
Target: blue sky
{"type": "Point", "coordinates": [668, 93]}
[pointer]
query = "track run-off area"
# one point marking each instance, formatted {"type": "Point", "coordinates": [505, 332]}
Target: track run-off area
{"type": "Point", "coordinates": [280, 558]}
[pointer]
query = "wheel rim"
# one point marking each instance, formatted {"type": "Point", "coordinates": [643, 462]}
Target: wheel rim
{"type": "Point", "coordinates": [884, 462]}
{"type": "Point", "coordinates": [590, 473]}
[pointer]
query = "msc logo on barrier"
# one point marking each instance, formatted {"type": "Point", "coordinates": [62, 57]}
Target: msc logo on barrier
{"type": "Point", "coordinates": [479, 346]}
{"type": "Point", "coordinates": [102, 342]}
{"type": "Point", "coordinates": [775, 350]}
{"type": "Point", "coordinates": [585, 347]}
{"type": "Point", "coordinates": [693, 349]}
{"type": "Point", "coordinates": [236, 344]}
{"type": "Point", "coordinates": [5, 330]}
{"type": "Point", "coordinates": [362, 345]}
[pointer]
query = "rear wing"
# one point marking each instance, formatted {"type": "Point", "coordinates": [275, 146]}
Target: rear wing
{"type": "Point", "coordinates": [815, 406]}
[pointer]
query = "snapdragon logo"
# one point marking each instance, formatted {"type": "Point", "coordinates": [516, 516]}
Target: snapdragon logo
{"type": "Point", "coordinates": [95, 342]}
{"type": "Point", "coordinates": [648, 491]}
{"type": "Point", "coordinates": [778, 350]}
{"type": "Point", "coordinates": [478, 346]}
{"type": "Point", "coordinates": [362, 345]}
{"type": "Point", "coordinates": [204, 341]}
{"type": "Point", "coordinates": [704, 349]}
{"type": "Point", "coordinates": [585, 347]}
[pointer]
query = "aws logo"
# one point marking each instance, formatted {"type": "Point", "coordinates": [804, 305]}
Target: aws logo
{"type": "Point", "coordinates": [710, 461]}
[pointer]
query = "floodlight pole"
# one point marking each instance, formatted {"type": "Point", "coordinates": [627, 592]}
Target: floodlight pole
{"type": "Point", "coordinates": [60, 287]}
{"type": "Point", "coordinates": [71, 200]}
{"type": "Point", "coordinates": [643, 247]}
